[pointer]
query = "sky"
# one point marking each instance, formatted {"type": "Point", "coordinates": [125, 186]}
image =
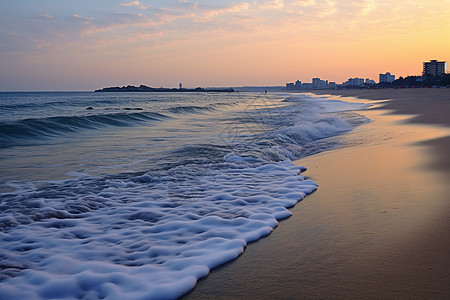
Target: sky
{"type": "Point", "coordinates": [90, 44]}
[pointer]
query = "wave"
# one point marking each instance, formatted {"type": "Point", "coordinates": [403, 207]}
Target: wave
{"type": "Point", "coordinates": [224, 103]}
{"type": "Point", "coordinates": [189, 109]}
{"type": "Point", "coordinates": [326, 105]}
{"type": "Point", "coordinates": [21, 132]}
{"type": "Point", "coordinates": [306, 131]}
{"type": "Point", "coordinates": [147, 236]}
{"type": "Point", "coordinates": [153, 234]}
{"type": "Point", "coordinates": [294, 131]}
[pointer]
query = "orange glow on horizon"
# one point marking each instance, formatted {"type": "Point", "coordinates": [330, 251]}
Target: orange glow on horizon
{"type": "Point", "coordinates": [237, 43]}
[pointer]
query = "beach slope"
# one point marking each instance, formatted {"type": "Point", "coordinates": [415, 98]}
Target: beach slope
{"type": "Point", "coordinates": [378, 225]}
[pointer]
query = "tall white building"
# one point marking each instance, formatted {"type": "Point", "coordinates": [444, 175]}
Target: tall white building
{"type": "Point", "coordinates": [356, 82]}
{"type": "Point", "coordinates": [319, 84]}
{"type": "Point", "coordinates": [387, 77]}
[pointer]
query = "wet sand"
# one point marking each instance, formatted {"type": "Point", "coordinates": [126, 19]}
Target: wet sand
{"type": "Point", "coordinates": [377, 227]}
{"type": "Point", "coordinates": [427, 106]}
{"type": "Point", "coordinates": [430, 106]}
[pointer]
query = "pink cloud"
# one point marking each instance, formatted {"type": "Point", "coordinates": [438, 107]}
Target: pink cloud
{"type": "Point", "coordinates": [136, 4]}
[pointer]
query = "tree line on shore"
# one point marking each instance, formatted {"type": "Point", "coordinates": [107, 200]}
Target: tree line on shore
{"type": "Point", "coordinates": [417, 81]}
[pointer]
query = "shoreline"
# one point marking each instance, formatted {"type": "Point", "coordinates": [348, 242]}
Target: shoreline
{"type": "Point", "coordinates": [377, 227]}
{"type": "Point", "coordinates": [407, 101]}
{"type": "Point", "coordinates": [423, 106]}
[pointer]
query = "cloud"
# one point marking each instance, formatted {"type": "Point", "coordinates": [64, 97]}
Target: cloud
{"type": "Point", "coordinates": [135, 4]}
{"type": "Point", "coordinates": [206, 14]}
{"type": "Point", "coordinates": [178, 20]}
{"type": "Point", "coordinates": [304, 3]}
{"type": "Point", "coordinates": [46, 16]}
{"type": "Point", "coordinates": [367, 7]}
{"type": "Point", "coordinates": [327, 10]}
{"type": "Point", "coordinates": [271, 5]}
{"type": "Point", "coordinates": [82, 18]}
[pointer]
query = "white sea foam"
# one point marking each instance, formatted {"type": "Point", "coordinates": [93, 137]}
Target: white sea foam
{"type": "Point", "coordinates": [326, 105]}
{"type": "Point", "coordinates": [126, 239]}
{"type": "Point", "coordinates": [203, 188]}
{"type": "Point", "coordinates": [313, 119]}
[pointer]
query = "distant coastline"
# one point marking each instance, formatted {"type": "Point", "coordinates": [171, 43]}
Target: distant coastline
{"type": "Point", "coordinates": [143, 88]}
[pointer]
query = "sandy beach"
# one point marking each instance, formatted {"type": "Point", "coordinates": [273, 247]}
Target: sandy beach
{"type": "Point", "coordinates": [378, 225]}
{"type": "Point", "coordinates": [427, 106]}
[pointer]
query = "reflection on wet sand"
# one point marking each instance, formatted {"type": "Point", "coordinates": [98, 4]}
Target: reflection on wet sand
{"type": "Point", "coordinates": [377, 226]}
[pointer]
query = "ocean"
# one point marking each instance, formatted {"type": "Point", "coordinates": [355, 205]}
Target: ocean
{"type": "Point", "coordinates": [138, 195]}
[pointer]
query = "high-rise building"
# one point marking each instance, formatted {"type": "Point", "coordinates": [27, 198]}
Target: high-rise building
{"type": "Point", "coordinates": [387, 77]}
{"type": "Point", "coordinates": [354, 82]}
{"type": "Point", "coordinates": [433, 68]}
{"type": "Point", "coordinates": [319, 83]}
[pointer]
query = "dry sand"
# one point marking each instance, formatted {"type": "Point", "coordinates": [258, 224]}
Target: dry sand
{"type": "Point", "coordinates": [377, 227]}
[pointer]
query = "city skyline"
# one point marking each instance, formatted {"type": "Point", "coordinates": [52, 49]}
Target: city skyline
{"type": "Point", "coordinates": [85, 45]}
{"type": "Point", "coordinates": [433, 74]}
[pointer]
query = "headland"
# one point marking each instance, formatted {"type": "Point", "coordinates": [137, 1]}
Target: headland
{"type": "Point", "coordinates": [144, 88]}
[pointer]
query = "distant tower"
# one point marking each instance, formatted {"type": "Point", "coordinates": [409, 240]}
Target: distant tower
{"type": "Point", "coordinates": [181, 86]}
{"type": "Point", "coordinates": [433, 68]}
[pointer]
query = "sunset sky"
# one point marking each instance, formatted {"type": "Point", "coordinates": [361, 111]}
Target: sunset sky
{"type": "Point", "coordinates": [89, 44]}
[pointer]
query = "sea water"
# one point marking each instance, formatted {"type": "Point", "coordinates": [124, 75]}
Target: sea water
{"type": "Point", "coordinates": [138, 195]}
